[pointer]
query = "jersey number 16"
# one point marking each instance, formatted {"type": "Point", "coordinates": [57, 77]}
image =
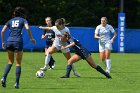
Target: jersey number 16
{"type": "Point", "coordinates": [15, 23]}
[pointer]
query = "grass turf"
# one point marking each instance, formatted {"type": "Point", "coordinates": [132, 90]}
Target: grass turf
{"type": "Point", "coordinates": [125, 74]}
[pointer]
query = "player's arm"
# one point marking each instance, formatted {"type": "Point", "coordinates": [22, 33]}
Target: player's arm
{"type": "Point", "coordinates": [43, 36]}
{"type": "Point", "coordinates": [96, 35]}
{"type": "Point", "coordinates": [29, 33]}
{"type": "Point", "coordinates": [114, 36]}
{"type": "Point", "coordinates": [2, 35]}
{"type": "Point", "coordinates": [68, 46]}
{"type": "Point", "coordinates": [45, 28]}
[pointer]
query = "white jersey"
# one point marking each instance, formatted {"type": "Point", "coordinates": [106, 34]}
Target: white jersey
{"type": "Point", "coordinates": [58, 34]}
{"type": "Point", "coordinates": [104, 32]}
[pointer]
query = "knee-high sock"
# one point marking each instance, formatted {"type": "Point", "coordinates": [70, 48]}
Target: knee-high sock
{"type": "Point", "coordinates": [51, 63]}
{"type": "Point", "coordinates": [98, 68]}
{"type": "Point", "coordinates": [7, 69]}
{"type": "Point", "coordinates": [18, 72]}
{"type": "Point", "coordinates": [47, 59]}
{"type": "Point", "coordinates": [68, 69]}
{"type": "Point", "coordinates": [108, 65]}
{"type": "Point", "coordinates": [73, 68]}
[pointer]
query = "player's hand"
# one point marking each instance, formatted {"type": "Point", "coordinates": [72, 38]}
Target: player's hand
{"type": "Point", "coordinates": [41, 27]}
{"type": "Point", "coordinates": [101, 38]}
{"type": "Point", "coordinates": [62, 47]}
{"type": "Point", "coordinates": [33, 41]}
{"type": "Point", "coordinates": [3, 45]}
{"type": "Point", "coordinates": [53, 39]}
{"type": "Point", "coordinates": [112, 40]}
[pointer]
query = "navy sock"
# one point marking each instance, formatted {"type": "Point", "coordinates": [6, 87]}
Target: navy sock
{"type": "Point", "coordinates": [7, 69]}
{"type": "Point", "coordinates": [69, 67]}
{"type": "Point", "coordinates": [18, 72]}
{"type": "Point", "coordinates": [51, 63]}
{"type": "Point", "coordinates": [98, 68]}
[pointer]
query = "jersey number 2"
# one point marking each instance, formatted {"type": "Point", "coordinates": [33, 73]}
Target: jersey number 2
{"type": "Point", "coordinates": [15, 23]}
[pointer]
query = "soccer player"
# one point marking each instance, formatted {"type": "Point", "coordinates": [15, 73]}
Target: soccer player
{"type": "Point", "coordinates": [14, 45]}
{"type": "Point", "coordinates": [81, 53]}
{"type": "Point", "coordinates": [102, 32]}
{"type": "Point", "coordinates": [50, 35]}
{"type": "Point", "coordinates": [59, 29]}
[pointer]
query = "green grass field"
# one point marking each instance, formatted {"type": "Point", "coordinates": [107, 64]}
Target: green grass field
{"type": "Point", "coordinates": [125, 75]}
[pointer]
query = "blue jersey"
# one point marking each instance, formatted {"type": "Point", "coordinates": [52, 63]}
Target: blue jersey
{"type": "Point", "coordinates": [50, 35]}
{"type": "Point", "coordinates": [79, 49]}
{"type": "Point", "coordinates": [15, 26]}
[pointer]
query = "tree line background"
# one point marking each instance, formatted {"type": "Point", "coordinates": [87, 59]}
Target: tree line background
{"type": "Point", "coordinates": [80, 13]}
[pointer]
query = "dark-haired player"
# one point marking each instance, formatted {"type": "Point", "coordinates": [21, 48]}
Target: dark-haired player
{"type": "Point", "coordinates": [14, 44]}
{"type": "Point", "coordinates": [50, 36]}
{"type": "Point", "coordinates": [59, 29]}
{"type": "Point", "coordinates": [81, 53]}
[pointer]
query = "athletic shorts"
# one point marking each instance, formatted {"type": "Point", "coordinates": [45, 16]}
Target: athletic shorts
{"type": "Point", "coordinates": [14, 46]}
{"type": "Point", "coordinates": [105, 46]}
{"type": "Point", "coordinates": [62, 50]}
{"type": "Point", "coordinates": [83, 53]}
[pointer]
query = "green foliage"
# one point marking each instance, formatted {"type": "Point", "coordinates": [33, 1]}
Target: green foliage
{"type": "Point", "coordinates": [84, 13]}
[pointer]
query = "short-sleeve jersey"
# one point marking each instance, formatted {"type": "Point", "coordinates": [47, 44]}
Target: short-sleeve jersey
{"type": "Point", "coordinates": [79, 49]}
{"type": "Point", "coordinates": [58, 35]}
{"type": "Point", "coordinates": [50, 35]}
{"type": "Point", "coordinates": [104, 31]}
{"type": "Point", "coordinates": [15, 26]}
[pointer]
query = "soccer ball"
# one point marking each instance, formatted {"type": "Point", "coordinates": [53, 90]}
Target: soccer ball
{"type": "Point", "coordinates": [40, 74]}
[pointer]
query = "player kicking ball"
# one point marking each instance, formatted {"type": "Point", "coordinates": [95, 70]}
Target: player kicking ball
{"type": "Point", "coordinates": [81, 53]}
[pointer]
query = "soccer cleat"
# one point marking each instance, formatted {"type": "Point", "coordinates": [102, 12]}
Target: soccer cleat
{"type": "Point", "coordinates": [3, 82]}
{"type": "Point", "coordinates": [16, 86]}
{"type": "Point", "coordinates": [44, 68]}
{"type": "Point", "coordinates": [51, 69]}
{"type": "Point", "coordinates": [64, 76]}
{"type": "Point", "coordinates": [108, 76]}
{"type": "Point", "coordinates": [76, 74]}
{"type": "Point", "coordinates": [53, 66]}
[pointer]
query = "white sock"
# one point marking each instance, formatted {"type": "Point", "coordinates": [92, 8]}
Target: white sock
{"type": "Point", "coordinates": [47, 59]}
{"type": "Point", "coordinates": [108, 65]}
{"type": "Point", "coordinates": [73, 68]}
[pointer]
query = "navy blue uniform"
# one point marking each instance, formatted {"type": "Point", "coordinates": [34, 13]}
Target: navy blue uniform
{"type": "Point", "coordinates": [15, 40]}
{"type": "Point", "coordinates": [50, 35]}
{"type": "Point", "coordinates": [79, 49]}
{"type": "Point", "coordinates": [49, 42]}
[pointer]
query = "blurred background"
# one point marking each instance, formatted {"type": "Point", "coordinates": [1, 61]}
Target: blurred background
{"type": "Point", "coordinates": [80, 13]}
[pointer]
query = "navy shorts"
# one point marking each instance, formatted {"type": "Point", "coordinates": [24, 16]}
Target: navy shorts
{"type": "Point", "coordinates": [14, 46]}
{"type": "Point", "coordinates": [83, 53]}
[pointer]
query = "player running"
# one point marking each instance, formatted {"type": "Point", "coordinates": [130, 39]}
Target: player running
{"type": "Point", "coordinates": [14, 45]}
{"type": "Point", "coordinates": [59, 29]}
{"type": "Point", "coordinates": [81, 53]}
{"type": "Point", "coordinates": [102, 32]}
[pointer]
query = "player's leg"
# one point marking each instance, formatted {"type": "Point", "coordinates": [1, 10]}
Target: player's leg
{"type": "Point", "coordinates": [73, 59]}
{"type": "Point", "coordinates": [97, 67]}
{"type": "Point", "coordinates": [102, 56]}
{"type": "Point", "coordinates": [18, 67]}
{"type": "Point", "coordinates": [8, 67]}
{"type": "Point", "coordinates": [107, 56]}
{"type": "Point", "coordinates": [48, 53]}
{"type": "Point", "coordinates": [52, 61]}
{"type": "Point", "coordinates": [102, 52]}
{"type": "Point", "coordinates": [108, 61]}
{"type": "Point", "coordinates": [68, 56]}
